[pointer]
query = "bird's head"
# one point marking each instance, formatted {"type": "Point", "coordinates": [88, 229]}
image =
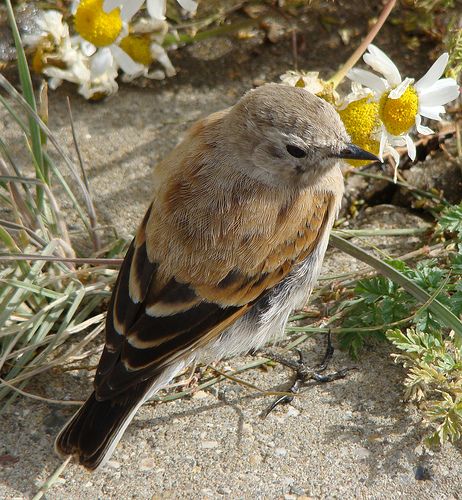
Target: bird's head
{"type": "Point", "coordinates": [286, 135]}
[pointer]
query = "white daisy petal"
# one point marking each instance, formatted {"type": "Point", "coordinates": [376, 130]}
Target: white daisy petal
{"type": "Point", "coordinates": [397, 140]}
{"type": "Point", "coordinates": [101, 62]}
{"type": "Point", "coordinates": [421, 128]}
{"type": "Point", "coordinates": [441, 92]}
{"type": "Point", "coordinates": [73, 7]}
{"type": "Point", "coordinates": [398, 91]}
{"type": "Point", "coordinates": [54, 83]}
{"type": "Point", "coordinates": [395, 171]}
{"type": "Point", "coordinates": [367, 79]}
{"type": "Point", "coordinates": [126, 63]}
{"type": "Point", "coordinates": [381, 63]}
{"type": "Point", "coordinates": [87, 48]}
{"type": "Point", "coordinates": [411, 151]}
{"type": "Point", "coordinates": [130, 8]}
{"type": "Point", "coordinates": [432, 112]}
{"type": "Point", "coordinates": [434, 73]}
{"type": "Point", "coordinates": [157, 74]}
{"type": "Point", "coordinates": [389, 149]}
{"type": "Point", "coordinates": [159, 53]}
{"type": "Point", "coordinates": [188, 5]}
{"type": "Point", "coordinates": [109, 5]}
{"type": "Point", "coordinates": [383, 144]}
{"type": "Point", "coordinates": [156, 8]}
{"type": "Point", "coordinates": [57, 75]}
{"type": "Point", "coordinates": [395, 155]}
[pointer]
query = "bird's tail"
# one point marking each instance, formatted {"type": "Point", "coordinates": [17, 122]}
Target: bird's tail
{"type": "Point", "coordinates": [94, 431]}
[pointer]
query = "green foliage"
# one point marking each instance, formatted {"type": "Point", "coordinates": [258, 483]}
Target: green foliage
{"type": "Point", "coordinates": [451, 220]}
{"type": "Point", "coordinates": [380, 303]}
{"type": "Point", "coordinates": [453, 42]}
{"type": "Point", "coordinates": [420, 15]}
{"type": "Point", "coordinates": [43, 303]}
{"type": "Point", "coordinates": [430, 352]}
{"type": "Point", "coordinates": [434, 379]}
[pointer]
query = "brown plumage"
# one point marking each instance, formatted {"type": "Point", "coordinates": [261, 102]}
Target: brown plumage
{"type": "Point", "coordinates": [232, 241]}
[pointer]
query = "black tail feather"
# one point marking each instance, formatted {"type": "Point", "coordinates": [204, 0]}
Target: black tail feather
{"type": "Point", "coordinates": [94, 430]}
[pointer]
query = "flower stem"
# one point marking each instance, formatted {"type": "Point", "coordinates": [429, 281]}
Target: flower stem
{"type": "Point", "coordinates": [341, 73]}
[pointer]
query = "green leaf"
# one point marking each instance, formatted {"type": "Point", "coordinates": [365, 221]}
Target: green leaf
{"type": "Point", "coordinates": [28, 91]}
{"type": "Point", "coordinates": [451, 220]}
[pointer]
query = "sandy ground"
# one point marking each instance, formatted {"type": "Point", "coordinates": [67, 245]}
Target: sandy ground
{"type": "Point", "coordinates": [349, 438]}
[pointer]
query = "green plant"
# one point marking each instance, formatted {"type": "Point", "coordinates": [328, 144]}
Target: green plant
{"type": "Point", "coordinates": [431, 348]}
{"type": "Point", "coordinates": [44, 298]}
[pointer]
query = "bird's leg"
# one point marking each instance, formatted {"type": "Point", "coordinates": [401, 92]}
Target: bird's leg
{"type": "Point", "coordinates": [303, 373]}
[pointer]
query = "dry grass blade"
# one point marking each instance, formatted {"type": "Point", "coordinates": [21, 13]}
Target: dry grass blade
{"type": "Point", "coordinates": [34, 115]}
{"type": "Point", "coordinates": [91, 208]}
{"type": "Point", "coordinates": [47, 295]}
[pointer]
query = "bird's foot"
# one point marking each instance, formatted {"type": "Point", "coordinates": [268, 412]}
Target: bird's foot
{"type": "Point", "coordinates": [304, 374]}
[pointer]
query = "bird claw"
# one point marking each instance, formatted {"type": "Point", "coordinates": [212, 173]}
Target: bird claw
{"type": "Point", "coordinates": [303, 374]}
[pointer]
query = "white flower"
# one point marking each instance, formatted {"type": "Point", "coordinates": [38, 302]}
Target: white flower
{"type": "Point", "coordinates": [100, 32]}
{"type": "Point", "coordinates": [357, 93]}
{"type": "Point", "coordinates": [55, 54]}
{"type": "Point", "coordinates": [309, 80]}
{"type": "Point", "coordinates": [402, 104]}
{"type": "Point", "coordinates": [103, 74]}
{"type": "Point", "coordinates": [156, 8]}
{"type": "Point", "coordinates": [50, 24]}
{"type": "Point", "coordinates": [143, 45]}
{"type": "Point", "coordinates": [104, 35]}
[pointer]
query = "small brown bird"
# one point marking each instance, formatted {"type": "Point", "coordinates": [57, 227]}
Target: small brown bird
{"type": "Point", "coordinates": [232, 242]}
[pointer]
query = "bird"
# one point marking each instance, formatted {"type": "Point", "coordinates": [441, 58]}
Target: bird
{"type": "Point", "coordinates": [231, 243]}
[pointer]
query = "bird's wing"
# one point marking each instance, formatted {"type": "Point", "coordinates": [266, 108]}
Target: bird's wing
{"type": "Point", "coordinates": [155, 318]}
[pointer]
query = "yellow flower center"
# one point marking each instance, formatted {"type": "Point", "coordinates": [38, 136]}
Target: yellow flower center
{"type": "Point", "coordinates": [361, 120]}
{"type": "Point", "coordinates": [138, 47]}
{"type": "Point", "coordinates": [398, 115]}
{"type": "Point", "coordinates": [96, 26]}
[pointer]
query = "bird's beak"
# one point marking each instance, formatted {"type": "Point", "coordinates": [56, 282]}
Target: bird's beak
{"type": "Point", "coordinates": [352, 152]}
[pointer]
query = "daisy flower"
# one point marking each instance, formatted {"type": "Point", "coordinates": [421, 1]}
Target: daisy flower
{"type": "Point", "coordinates": [55, 56]}
{"type": "Point", "coordinates": [308, 80]}
{"type": "Point", "coordinates": [100, 32]}
{"type": "Point", "coordinates": [50, 25]}
{"type": "Point", "coordinates": [156, 8]}
{"type": "Point", "coordinates": [143, 45]}
{"type": "Point", "coordinates": [104, 32]}
{"type": "Point", "coordinates": [360, 115]}
{"type": "Point", "coordinates": [403, 103]}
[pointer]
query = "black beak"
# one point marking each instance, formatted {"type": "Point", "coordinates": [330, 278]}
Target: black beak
{"type": "Point", "coordinates": [352, 152]}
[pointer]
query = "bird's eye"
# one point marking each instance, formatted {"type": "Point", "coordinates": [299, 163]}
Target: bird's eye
{"type": "Point", "coordinates": [295, 151]}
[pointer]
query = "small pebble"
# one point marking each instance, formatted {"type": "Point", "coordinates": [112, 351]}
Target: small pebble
{"type": "Point", "coordinates": [297, 490]}
{"type": "Point", "coordinates": [113, 464]}
{"type": "Point", "coordinates": [255, 459]}
{"type": "Point", "coordinates": [292, 412]}
{"type": "Point", "coordinates": [147, 464]}
{"type": "Point", "coordinates": [209, 445]}
{"type": "Point", "coordinates": [419, 450]}
{"type": "Point", "coordinates": [362, 453]}
{"type": "Point", "coordinates": [247, 428]}
{"type": "Point", "coordinates": [422, 473]}
{"type": "Point", "coordinates": [207, 492]}
{"type": "Point", "coordinates": [200, 395]}
{"type": "Point", "coordinates": [280, 452]}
